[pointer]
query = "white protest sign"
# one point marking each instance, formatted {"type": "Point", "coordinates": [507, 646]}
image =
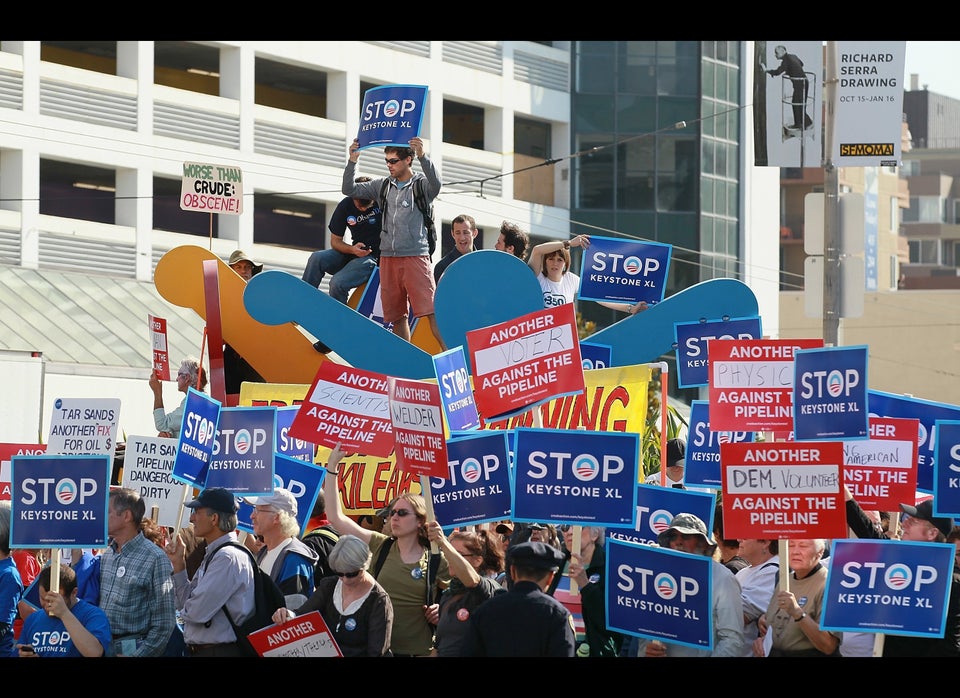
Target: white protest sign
{"type": "Point", "coordinates": [147, 466]}
{"type": "Point", "coordinates": [211, 188]}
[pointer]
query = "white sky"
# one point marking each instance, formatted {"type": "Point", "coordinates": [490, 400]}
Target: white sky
{"type": "Point", "coordinates": [938, 65]}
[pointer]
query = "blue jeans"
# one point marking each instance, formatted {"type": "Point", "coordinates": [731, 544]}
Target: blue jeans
{"type": "Point", "coordinates": [347, 271]}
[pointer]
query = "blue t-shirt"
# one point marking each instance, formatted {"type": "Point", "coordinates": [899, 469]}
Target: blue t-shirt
{"type": "Point", "coordinates": [11, 589]}
{"type": "Point", "coordinates": [50, 638]}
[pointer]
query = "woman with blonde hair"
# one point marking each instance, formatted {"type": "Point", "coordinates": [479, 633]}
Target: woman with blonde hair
{"type": "Point", "coordinates": [405, 572]}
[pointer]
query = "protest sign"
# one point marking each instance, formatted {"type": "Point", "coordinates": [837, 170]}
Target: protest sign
{"type": "Point", "coordinates": [346, 406]}
{"type": "Point", "coordinates": [784, 490]}
{"type": "Point", "coordinates": [83, 426]}
{"type": "Point", "coordinates": [477, 487]}
{"type": "Point", "coordinates": [211, 188]}
{"type": "Point", "coordinates": [59, 501]}
{"type": "Point", "coordinates": [575, 477]}
{"type": "Point", "coordinates": [243, 452]}
{"type": "Point", "coordinates": [702, 457]}
{"type": "Point", "coordinates": [830, 393]}
{"type": "Point", "coordinates": [751, 382]}
{"type": "Point", "coordinates": [526, 361]}
{"type": "Point", "coordinates": [620, 270]}
{"type": "Point", "coordinates": [198, 434]}
{"type": "Point", "coordinates": [391, 115]}
{"type": "Point", "coordinates": [302, 479]}
{"type": "Point", "coordinates": [888, 586]}
{"type": "Point", "coordinates": [302, 636]}
{"type": "Point", "coordinates": [660, 594]}
{"type": "Point", "coordinates": [7, 451]}
{"type": "Point", "coordinates": [456, 390]}
{"type": "Point", "coordinates": [158, 343]}
{"type": "Point", "coordinates": [927, 412]}
{"type": "Point", "coordinates": [287, 444]}
{"type": "Point", "coordinates": [946, 468]}
{"type": "Point", "coordinates": [595, 356]}
{"type": "Point", "coordinates": [417, 427]}
{"type": "Point", "coordinates": [656, 507]}
{"type": "Point", "coordinates": [881, 472]}
{"type": "Point", "coordinates": [148, 469]}
{"type": "Point", "coordinates": [692, 338]}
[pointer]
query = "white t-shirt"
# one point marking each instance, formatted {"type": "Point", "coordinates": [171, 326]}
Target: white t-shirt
{"type": "Point", "coordinates": [559, 292]}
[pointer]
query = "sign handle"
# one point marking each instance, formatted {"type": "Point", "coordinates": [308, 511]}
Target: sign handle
{"type": "Point", "coordinates": [577, 533]}
{"type": "Point", "coordinates": [55, 570]}
{"type": "Point", "coordinates": [784, 565]}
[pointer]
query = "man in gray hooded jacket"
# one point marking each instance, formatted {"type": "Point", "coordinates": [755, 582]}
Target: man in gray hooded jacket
{"type": "Point", "coordinates": [406, 270]}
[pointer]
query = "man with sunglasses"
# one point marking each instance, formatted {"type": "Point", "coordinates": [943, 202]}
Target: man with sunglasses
{"type": "Point", "coordinates": [406, 270]}
{"type": "Point", "coordinates": [350, 264]}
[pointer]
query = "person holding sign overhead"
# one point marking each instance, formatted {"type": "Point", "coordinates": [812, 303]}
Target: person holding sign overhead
{"type": "Point", "coordinates": [404, 569]}
{"type": "Point", "coordinates": [550, 261]}
{"type": "Point", "coordinates": [406, 271]}
{"type": "Point", "coordinates": [190, 375]}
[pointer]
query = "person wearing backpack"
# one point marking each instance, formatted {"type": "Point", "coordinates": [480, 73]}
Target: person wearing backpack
{"type": "Point", "coordinates": [224, 583]}
{"type": "Point", "coordinates": [283, 555]}
{"type": "Point", "coordinates": [408, 233]}
{"type": "Point", "coordinates": [321, 536]}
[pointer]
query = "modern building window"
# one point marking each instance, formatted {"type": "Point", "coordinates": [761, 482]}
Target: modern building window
{"type": "Point", "coordinates": [462, 124]}
{"type": "Point", "coordinates": [290, 87]}
{"type": "Point", "coordinates": [924, 251]}
{"type": "Point", "coordinates": [99, 56]}
{"type": "Point", "coordinates": [71, 190]}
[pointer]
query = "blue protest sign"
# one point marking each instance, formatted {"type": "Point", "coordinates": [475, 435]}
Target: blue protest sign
{"type": "Point", "coordinates": [656, 507]}
{"type": "Point", "coordinates": [888, 586]}
{"type": "Point", "coordinates": [243, 454]}
{"type": "Point", "coordinates": [290, 445]}
{"type": "Point", "coordinates": [595, 356]}
{"type": "Point", "coordinates": [304, 480]}
{"type": "Point", "coordinates": [478, 487]}
{"type": "Point", "coordinates": [946, 468]}
{"type": "Point", "coordinates": [456, 390]}
{"type": "Point", "coordinates": [624, 271]}
{"type": "Point", "coordinates": [928, 412]}
{"type": "Point", "coordinates": [702, 458]}
{"type": "Point", "coordinates": [391, 115]}
{"type": "Point", "coordinates": [693, 366]}
{"type": "Point", "coordinates": [59, 501]}
{"type": "Point", "coordinates": [830, 394]}
{"type": "Point", "coordinates": [659, 594]}
{"type": "Point", "coordinates": [575, 477]}
{"type": "Point", "coordinates": [198, 434]}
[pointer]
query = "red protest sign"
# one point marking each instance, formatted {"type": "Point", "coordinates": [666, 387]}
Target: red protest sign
{"type": "Point", "coordinates": [525, 361]}
{"type": "Point", "coordinates": [304, 636]}
{"type": "Point", "coordinates": [346, 406]}
{"type": "Point", "coordinates": [783, 490]}
{"type": "Point", "coordinates": [881, 472]}
{"type": "Point", "coordinates": [751, 383]}
{"type": "Point", "coordinates": [158, 341]}
{"type": "Point", "coordinates": [8, 451]}
{"type": "Point", "coordinates": [417, 416]}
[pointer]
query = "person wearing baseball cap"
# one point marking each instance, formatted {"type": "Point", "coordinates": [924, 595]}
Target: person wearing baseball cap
{"type": "Point", "coordinates": [288, 560]}
{"type": "Point", "coordinates": [688, 533]}
{"type": "Point", "coordinates": [919, 525]}
{"type": "Point", "coordinates": [227, 579]}
{"type": "Point", "coordinates": [547, 627]}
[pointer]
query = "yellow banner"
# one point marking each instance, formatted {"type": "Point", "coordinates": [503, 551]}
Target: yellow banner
{"type": "Point", "coordinates": [615, 399]}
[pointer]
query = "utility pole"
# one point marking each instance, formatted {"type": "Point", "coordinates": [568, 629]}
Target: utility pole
{"type": "Point", "coordinates": [831, 208]}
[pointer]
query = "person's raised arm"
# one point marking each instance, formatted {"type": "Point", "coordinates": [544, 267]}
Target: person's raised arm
{"type": "Point", "coordinates": [632, 308]}
{"type": "Point", "coordinates": [86, 642]}
{"type": "Point", "coordinates": [331, 499]}
{"type": "Point", "coordinates": [459, 566]}
{"type": "Point", "coordinates": [544, 248]}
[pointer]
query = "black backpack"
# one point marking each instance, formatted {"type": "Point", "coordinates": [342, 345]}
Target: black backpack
{"type": "Point", "coordinates": [420, 199]}
{"type": "Point", "coordinates": [321, 540]}
{"type": "Point", "coordinates": [267, 598]}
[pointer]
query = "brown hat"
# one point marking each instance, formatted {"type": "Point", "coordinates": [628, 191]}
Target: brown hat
{"type": "Point", "coordinates": [504, 529]}
{"type": "Point", "coordinates": [241, 256]}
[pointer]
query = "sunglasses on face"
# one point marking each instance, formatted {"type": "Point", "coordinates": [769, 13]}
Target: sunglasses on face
{"type": "Point", "coordinates": [348, 575]}
{"type": "Point", "coordinates": [399, 512]}
{"type": "Point", "coordinates": [392, 161]}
